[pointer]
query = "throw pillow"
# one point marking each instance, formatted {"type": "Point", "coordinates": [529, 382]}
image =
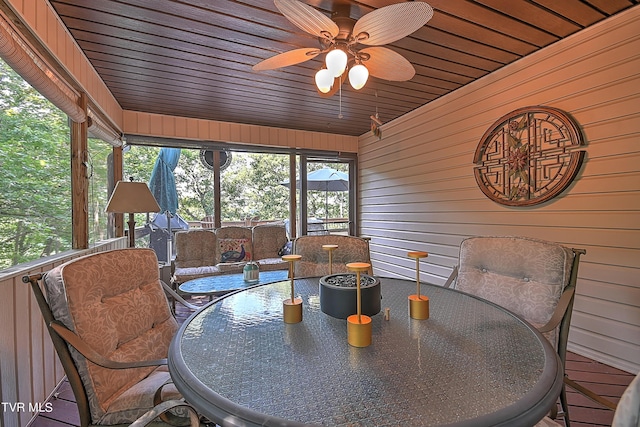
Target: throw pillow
{"type": "Point", "coordinates": [234, 250]}
{"type": "Point", "coordinates": [286, 249]}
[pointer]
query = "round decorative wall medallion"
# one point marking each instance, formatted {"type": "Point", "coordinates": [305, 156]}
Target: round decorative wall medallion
{"type": "Point", "coordinates": [206, 158]}
{"type": "Point", "coordinates": [528, 156]}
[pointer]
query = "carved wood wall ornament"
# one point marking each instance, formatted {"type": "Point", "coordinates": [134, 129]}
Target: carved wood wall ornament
{"type": "Point", "coordinates": [528, 156]}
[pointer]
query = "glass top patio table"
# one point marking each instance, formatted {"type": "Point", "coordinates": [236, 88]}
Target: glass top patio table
{"type": "Point", "coordinates": [225, 283]}
{"type": "Point", "coordinates": [472, 363]}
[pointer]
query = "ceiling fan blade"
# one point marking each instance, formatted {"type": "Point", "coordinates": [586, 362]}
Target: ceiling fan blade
{"type": "Point", "coordinates": [386, 64]}
{"type": "Point", "coordinates": [285, 59]}
{"type": "Point", "coordinates": [307, 18]}
{"type": "Point", "coordinates": [391, 23]}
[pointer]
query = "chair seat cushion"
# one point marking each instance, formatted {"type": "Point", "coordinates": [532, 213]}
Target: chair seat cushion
{"type": "Point", "coordinates": [271, 264]}
{"type": "Point", "coordinates": [183, 274]}
{"type": "Point", "coordinates": [135, 401]}
{"type": "Point", "coordinates": [231, 267]}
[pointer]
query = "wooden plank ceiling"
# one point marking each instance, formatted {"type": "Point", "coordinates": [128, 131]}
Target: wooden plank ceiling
{"type": "Point", "coordinates": [193, 58]}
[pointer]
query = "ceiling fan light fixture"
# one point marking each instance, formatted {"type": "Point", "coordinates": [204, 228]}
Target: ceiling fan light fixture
{"type": "Point", "coordinates": [358, 76]}
{"type": "Point", "coordinates": [336, 61]}
{"type": "Point", "coordinates": [324, 80]}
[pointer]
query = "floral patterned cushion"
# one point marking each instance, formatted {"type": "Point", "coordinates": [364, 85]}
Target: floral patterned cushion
{"type": "Point", "coordinates": [135, 401]}
{"type": "Point", "coordinates": [315, 260]}
{"type": "Point", "coordinates": [115, 303]}
{"type": "Point", "coordinates": [526, 276]}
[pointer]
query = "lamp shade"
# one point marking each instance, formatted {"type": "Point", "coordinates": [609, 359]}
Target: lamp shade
{"type": "Point", "coordinates": [132, 197]}
{"type": "Point", "coordinates": [324, 80]}
{"type": "Point", "coordinates": [336, 61]}
{"type": "Point", "coordinates": [358, 76]}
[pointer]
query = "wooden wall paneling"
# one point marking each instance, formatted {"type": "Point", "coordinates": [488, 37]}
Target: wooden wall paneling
{"type": "Point", "coordinates": [606, 291]}
{"type": "Point", "coordinates": [192, 129]}
{"type": "Point", "coordinates": [26, 383]}
{"type": "Point", "coordinates": [8, 366]}
{"type": "Point", "coordinates": [622, 315]}
{"type": "Point", "coordinates": [613, 352]}
{"type": "Point", "coordinates": [137, 123]}
{"type": "Point", "coordinates": [418, 192]}
{"type": "Point", "coordinates": [612, 329]}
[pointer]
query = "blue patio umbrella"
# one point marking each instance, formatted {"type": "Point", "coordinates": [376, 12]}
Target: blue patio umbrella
{"type": "Point", "coordinates": [163, 182]}
{"type": "Point", "coordinates": [327, 180]}
{"type": "Point", "coordinates": [163, 187]}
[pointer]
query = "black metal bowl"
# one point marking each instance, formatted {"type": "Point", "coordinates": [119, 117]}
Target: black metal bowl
{"type": "Point", "coordinates": [338, 295]}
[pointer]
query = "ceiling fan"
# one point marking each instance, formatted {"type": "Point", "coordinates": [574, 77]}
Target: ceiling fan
{"type": "Point", "coordinates": [353, 48]}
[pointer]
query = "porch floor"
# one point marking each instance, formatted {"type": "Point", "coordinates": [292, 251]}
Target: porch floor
{"type": "Point", "coordinates": [605, 380]}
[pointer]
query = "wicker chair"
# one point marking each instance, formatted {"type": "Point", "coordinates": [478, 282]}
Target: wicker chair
{"type": "Point", "coordinates": [315, 260]}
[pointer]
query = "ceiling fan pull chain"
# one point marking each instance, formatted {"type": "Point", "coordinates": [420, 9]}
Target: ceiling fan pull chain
{"type": "Point", "coordinates": [340, 96]}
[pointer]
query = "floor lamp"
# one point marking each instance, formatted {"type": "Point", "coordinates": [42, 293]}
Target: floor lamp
{"type": "Point", "coordinates": [132, 197]}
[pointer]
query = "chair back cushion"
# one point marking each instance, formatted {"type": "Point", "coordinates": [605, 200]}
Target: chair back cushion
{"type": "Point", "coordinates": [114, 302]}
{"type": "Point", "coordinates": [525, 276]}
{"type": "Point", "coordinates": [315, 260]}
{"type": "Point", "coordinates": [268, 240]}
{"type": "Point", "coordinates": [196, 248]}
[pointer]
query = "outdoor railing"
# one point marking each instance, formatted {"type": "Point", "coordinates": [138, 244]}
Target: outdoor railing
{"type": "Point", "coordinates": [315, 226]}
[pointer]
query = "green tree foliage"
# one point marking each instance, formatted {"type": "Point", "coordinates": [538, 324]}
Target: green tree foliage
{"type": "Point", "coordinates": [249, 187]}
{"type": "Point", "coordinates": [35, 202]}
{"type": "Point", "coordinates": [99, 154]}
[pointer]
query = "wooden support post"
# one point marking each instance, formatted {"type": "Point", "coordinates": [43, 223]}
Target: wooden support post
{"type": "Point", "coordinates": [217, 208]}
{"type": "Point", "coordinates": [80, 181]}
{"type": "Point", "coordinates": [292, 197]}
{"type": "Point", "coordinates": [118, 165]}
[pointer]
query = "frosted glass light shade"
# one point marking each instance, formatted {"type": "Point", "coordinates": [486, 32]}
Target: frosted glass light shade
{"type": "Point", "coordinates": [358, 76]}
{"type": "Point", "coordinates": [336, 61]}
{"type": "Point", "coordinates": [324, 80]}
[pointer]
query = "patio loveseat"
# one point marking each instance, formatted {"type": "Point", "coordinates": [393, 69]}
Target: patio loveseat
{"type": "Point", "coordinates": [226, 250]}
